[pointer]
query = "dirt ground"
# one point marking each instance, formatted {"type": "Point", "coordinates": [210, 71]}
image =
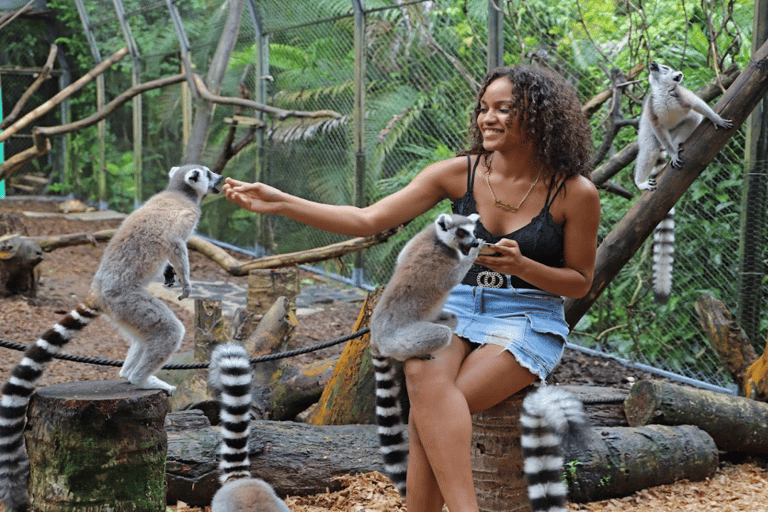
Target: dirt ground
{"type": "Point", "coordinates": [739, 485]}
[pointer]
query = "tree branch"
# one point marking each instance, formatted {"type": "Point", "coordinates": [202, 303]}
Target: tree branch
{"type": "Point", "coordinates": [62, 95]}
{"type": "Point", "coordinates": [45, 74]}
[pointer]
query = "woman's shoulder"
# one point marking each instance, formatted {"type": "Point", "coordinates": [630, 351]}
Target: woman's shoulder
{"type": "Point", "coordinates": [581, 187]}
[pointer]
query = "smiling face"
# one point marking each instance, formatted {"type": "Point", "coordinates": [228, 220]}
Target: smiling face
{"type": "Point", "coordinates": [497, 117]}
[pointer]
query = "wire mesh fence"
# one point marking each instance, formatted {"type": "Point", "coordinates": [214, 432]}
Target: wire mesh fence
{"type": "Point", "coordinates": [413, 68]}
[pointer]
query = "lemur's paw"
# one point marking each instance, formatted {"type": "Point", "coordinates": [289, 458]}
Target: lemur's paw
{"type": "Point", "coordinates": [153, 382]}
{"type": "Point", "coordinates": [726, 124]}
{"type": "Point", "coordinates": [650, 184]}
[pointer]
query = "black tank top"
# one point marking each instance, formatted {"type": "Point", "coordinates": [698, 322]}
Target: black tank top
{"type": "Point", "coordinates": [540, 240]}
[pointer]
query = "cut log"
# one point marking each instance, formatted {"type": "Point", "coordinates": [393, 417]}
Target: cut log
{"type": "Point", "coordinates": [726, 337]}
{"type": "Point", "coordinates": [295, 458]}
{"type": "Point", "coordinates": [301, 459]}
{"type": "Point", "coordinates": [604, 406]}
{"type": "Point", "coordinates": [350, 396]}
{"type": "Point", "coordinates": [97, 445]}
{"type": "Point", "coordinates": [617, 461]}
{"type": "Point", "coordinates": [735, 423]}
{"type": "Point", "coordinates": [497, 460]}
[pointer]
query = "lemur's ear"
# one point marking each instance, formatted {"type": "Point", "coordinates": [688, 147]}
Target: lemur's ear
{"type": "Point", "coordinates": [172, 171]}
{"type": "Point", "coordinates": [442, 221]}
{"type": "Point", "coordinates": [473, 217]}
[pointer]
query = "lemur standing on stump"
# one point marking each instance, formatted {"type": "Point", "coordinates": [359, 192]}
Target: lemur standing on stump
{"type": "Point", "coordinates": [148, 239]}
{"type": "Point", "coordinates": [670, 114]}
{"type": "Point", "coordinates": [409, 321]}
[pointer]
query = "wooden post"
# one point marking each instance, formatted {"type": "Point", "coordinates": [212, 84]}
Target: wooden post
{"type": "Point", "coordinates": [350, 395]}
{"type": "Point", "coordinates": [265, 286]}
{"type": "Point", "coordinates": [497, 459]}
{"type": "Point", "coordinates": [97, 446]}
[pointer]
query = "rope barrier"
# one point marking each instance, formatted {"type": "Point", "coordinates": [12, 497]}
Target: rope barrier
{"type": "Point", "coordinates": [194, 366]}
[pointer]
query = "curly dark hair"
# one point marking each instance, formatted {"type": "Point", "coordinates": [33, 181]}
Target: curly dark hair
{"type": "Point", "coordinates": [552, 116]}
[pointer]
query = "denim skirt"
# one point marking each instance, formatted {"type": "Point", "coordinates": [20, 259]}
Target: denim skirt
{"type": "Point", "coordinates": [529, 323]}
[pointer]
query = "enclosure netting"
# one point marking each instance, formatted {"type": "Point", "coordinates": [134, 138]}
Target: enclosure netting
{"type": "Point", "coordinates": [416, 82]}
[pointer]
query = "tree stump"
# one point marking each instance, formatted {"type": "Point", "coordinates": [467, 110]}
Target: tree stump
{"type": "Point", "coordinates": [97, 446]}
{"type": "Point", "coordinates": [265, 286]}
{"type": "Point", "coordinates": [497, 459]}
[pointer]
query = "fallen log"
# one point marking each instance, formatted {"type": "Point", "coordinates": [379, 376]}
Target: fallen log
{"type": "Point", "coordinates": [735, 423]}
{"type": "Point", "coordinates": [616, 461]}
{"type": "Point", "coordinates": [604, 406]}
{"type": "Point", "coordinates": [302, 459]}
{"type": "Point", "coordinates": [295, 458]}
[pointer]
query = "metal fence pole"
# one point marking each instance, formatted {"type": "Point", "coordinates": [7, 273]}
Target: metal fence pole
{"type": "Point", "coordinates": [753, 206]}
{"type": "Point", "coordinates": [359, 126]}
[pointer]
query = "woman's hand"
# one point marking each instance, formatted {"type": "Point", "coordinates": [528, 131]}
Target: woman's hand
{"type": "Point", "coordinates": [507, 260]}
{"type": "Point", "coordinates": [256, 197]}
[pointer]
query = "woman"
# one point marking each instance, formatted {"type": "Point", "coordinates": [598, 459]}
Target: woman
{"type": "Point", "coordinates": [526, 174]}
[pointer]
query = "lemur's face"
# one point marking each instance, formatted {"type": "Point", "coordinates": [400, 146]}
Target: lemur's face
{"type": "Point", "coordinates": [458, 232]}
{"type": "Point", "coordinates": [203, 180]}
{"type": "Point", "coordinates": [664, 75]}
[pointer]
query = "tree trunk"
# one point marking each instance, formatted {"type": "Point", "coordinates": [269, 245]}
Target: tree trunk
{"type": "Point", "coordinates": [617, 461]}
{"type": "Point", "coordinates": [726, 337]}
{"type": "Point", "coordinates": [702, 146]}
{"type": "Point", "coordinates": [756, 378]}
{"type": "Point", "coordinates": [97, 446]}
{"type": "Point", "coordinates": [735, 423]}
{"type": "Point", "coordinates": [295, 458]}
{"type": "Point", "coordinates": [497, 460]}
{"type": "Point", "coordinates": [201, 124]}
{"type": "Point", "coordinates": [350, 396]}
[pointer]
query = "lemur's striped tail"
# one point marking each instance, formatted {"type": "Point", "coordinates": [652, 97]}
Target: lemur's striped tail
{"type": "Point", "coordinates": [389, 418]}
{"type": "Point", "coordinates": [230, 377]}
{"type": "Point", "coordinates": [549, 416]}
{"type": "Point", "coordinates": [14, 464]}
{"type": "Point", "coordinates": [663, 257]}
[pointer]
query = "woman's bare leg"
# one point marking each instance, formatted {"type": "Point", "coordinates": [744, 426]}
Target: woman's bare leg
{"type": "Point", "coordinates": [423, 493]}
{"type": "Point", "coordinates": [440, 417]}
{"type": "Point", "coordinates": [441, 408]}
{"type": "Point", "coordinates": [490, 375]}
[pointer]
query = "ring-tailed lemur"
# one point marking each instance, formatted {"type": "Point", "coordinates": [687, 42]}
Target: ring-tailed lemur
{"type": "Point", "coordinates": [408, 320]}
{"type": "Point", "coordinates": [230, 379]}
{"type": "Point", "coordinates": [549, 417]}
{"type": "Point", "coordinates": [670, 114]}
{"type": "Point", "coordinates": [663, 257]}
{"type": "Point", "coordinates": [152, 235]}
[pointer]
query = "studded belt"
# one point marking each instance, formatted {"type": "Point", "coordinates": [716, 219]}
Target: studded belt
{"type": "Point", "coordinates": [486, 278]}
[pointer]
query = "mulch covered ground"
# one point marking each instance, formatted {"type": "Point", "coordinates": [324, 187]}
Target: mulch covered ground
{"type": "Point", "coordinates": [739, 485]}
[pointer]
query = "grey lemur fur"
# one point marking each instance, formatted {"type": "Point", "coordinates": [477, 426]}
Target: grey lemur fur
{"type": "Point", "coordinates": [146, 240]}
{"type": "Point", "coordinates": [670, 114]}
{"type": "Point", "coordinates": [549, 418]}
{"type": "Point", "coordinates": [409, 321]}
{"type": "Point", "coordinates": [230, 379]}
